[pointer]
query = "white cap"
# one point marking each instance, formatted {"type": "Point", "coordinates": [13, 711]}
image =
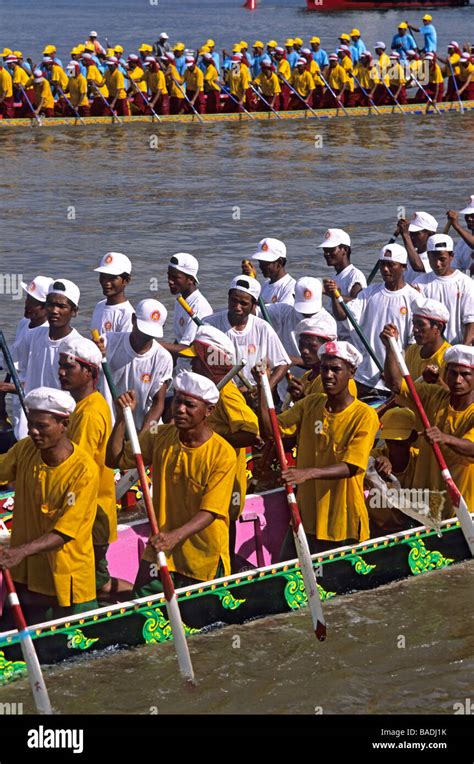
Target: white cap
{"type": "Point", "coordinates": [164, 36]}
{"type": "Point", "coordinates": [394, 253]}
{"type": "Point", "coordinates": [461, 354]}
{"type": "Point", "coordinates": [50, 399]}
{"type": "Point", "coordinates": [81, 349]}
{"type": "Point", "coordinates": [246, 284]}
{"type": "Point", "coordinates": [93, 34]}
{"type": "Point", "coordinates": [431, 309]}
{"type": "Point", "coordinates": [151, 316]}
{"type": "Point", "coordinates": [196, 386]}
{"type": "Point", "coordinates": [115, 264]}
{"type": "Point", "coordinates": [301, 62]}
{"type": "Point", "coordinates": [343, 350]}
{"type": "Point", "coordinates": [150, 60]}
{"type": "Point", "coordinates": [170, 56]}
{"type": "Point", "coordinates": [429, 56]}
{"type": "Point", "coordinates": [211, 339]}
{"type": "Point", "coordinates": [469, 210]}
{"type": "Point", "coordinates": [269, 250]}
{"type": "Point", "coordinates": [38, 75]}
{"type": "Point", "coordinates": [380, 44]}
{"type": "Point", "coordinates": [279, 49]}
{"type": "Point", "coordinates": [38, 288]}
{"type": "Point", "coordinates": [68, 288]}
{"type": "Point", "coordinates": [207, 57]}
{"type": "Point", "coordinates": [440, 241]}
{"type": "Point", "coordinates": [133, 57]}
{"type": "Point", "coordinates": [185, 263]}
{"type": "Point", "coordinates": [308, 295]}
{"type": "Point", "coordinates": [334, 237]}
{"type": "Point", "coordinates": [111, 60]}
{"type": "Point", "coordinates": [321, 325]}
{"type": "Point", "coordinates": [394, 55]}
{"type": "Point", "coordinates": [423, 221]}
{"type": "Point", "coordinates": [47, 60]}
{"type": "Point", "coordinates": [87, 55]}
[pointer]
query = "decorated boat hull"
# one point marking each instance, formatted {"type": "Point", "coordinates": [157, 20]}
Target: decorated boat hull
{"type": "Point", "coordinates": [378, 5]}
{"type": "Point", "coordinates": [254, 593]}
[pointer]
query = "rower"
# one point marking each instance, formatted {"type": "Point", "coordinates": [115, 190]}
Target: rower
{"type": "Point", "coordinates": [193, 479]}
{"type": "Point", "coordinates": [279, 286]}
{"type": "Point", "coordinates": [95, 80]}
{"type": "Point", "coordinates": [449, 286]}
{"type": "Point", "coordinates": [213, 355]}
{"type": "Point", "coordinates": [366, 74]}
{"type": "Point", "coordinates": [137, 361]}
{"type": "Point", "coordinates": [174, 84]}
{"type": "Point", "coordinates": [304, 84]}
{"type": "Point", "coordinates": [382, 67]}
{"type": "Point", "coordinates": [212, 89]}
{"type": "Point", "coordinates": [337, 80]}
{"type": "Point", "coordinates": [238, 81]}
{"type": "Point", "coordinates": [269, 86]}
{"type": "Point", "coordinates": [194, 81]}
{"type": "Point", "coordinates": [451, 70]}
{"type": "Point", "coordinates": [345, 60]}
{"type": "Point", "coordinates": [93, 40]}
{"type": "Point", "coordinates": [51, 555]}
{"type": "Point", "coordinates": [397, 81]}
{"type": "Point", "coordinates": [291, 54]}
{"type": "Point", "coordinates": [415, 235]}
{"type": "Point", "coordinates": [349, 280]}
{"type": "Point", "coordinates": [7, 102]}
{"type": "Point", "coordinates": [114, 314]}
{"type": "Point", "coordinates": [357, 45]}
{"type": "Point", "coordinates": [43, 95]}
{"type": "Point", "coordinates": [161, 46]}
{"type": "Point", "coordinates": [430, 318]}
{"type": "Point", "coordinates": [115, 82]}
{"type": "Point", "coordinates": [428, 31]}
{"type": "Point", "coordinates": [403, 41]}
{"type": "Point", "coordinates": [434, 87]}
{"type": "Point", "coordinates": [464, 249]}
{"type": "Point", "coordinates": [137, 79]}
{"type": "Point", "coordinates": [155, 80]}
{"type": "Point", "coordinates": [283, 72]}
{"type": "Point", "coordinates": [257, 59]}
{"type": "Point", "coordinates": [319, 54]}
{"type": "Point", "coordinates": [311, 333]}
{"type": "Point", "coordinates": [390, 302]}
{"type": "Point", "coordinates": [466, 77]}
{"type": "Point", "coordinates": [451, 415]}
{"type": "Point", "coordinates": [253, 338]}
{"type": "Point", "coordinates": [180, 58]}
{"type": "Point", "coordinates": [244, 49]}
{"type": "Point", "coordinates": [77, 87]}
{"type": "Point", "coordinates": [335, 433]}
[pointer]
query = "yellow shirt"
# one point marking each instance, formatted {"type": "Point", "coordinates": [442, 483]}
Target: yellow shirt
{"type": "Point", "coordinates": [59, 76]}
{"type": "Point", "coordinates": [185, 481]}
{"type": "Point", "coordinates": [333, 510]}
{"type": "Point", "coordinates": [270, 86]}
{"type": "Point", "coordinates": [172, 74]}
{"type": "Point", "coordinates": [417, 68]}
{"type": "Point", "coordinates": [6, 83]}
{"type": "Point", "coordinates": [232, 415]}
{"type": "Point", "coordinates": [194, 80]}
{"type": "Point", "coordinates": [47, 499]}
{"type": "Point", "coordinates": [348, 65]}
{"type": "Point", "coordinates": [315, 386]}
{"type": "Point", "coordinates": [93, 75]}
{"type": "Point", "coordinates": [336, 77]}
{"type": "Point", "coordinates": [115, 83]}
{"type": "Point", "coordinates": [303, 83]}
{"type": "Point", "coordinates": [139, 77]}
{"type": "Point", "coordinates": [466, 72]}
{"type": "Point", "coordinates": [435, 75]}
{"type": "Point", "coordinates": [284, 69]}
{"type": "Point", "coordinates": [365, 76]}
{"type": "Point", "coordinates": [90, 426]}
{"type": "Point", "coordinates": [156, 81]}
{"type": "Point", "coordinates": [454, 59]}
{"type": "Point", "coordinates": [396, 75]}
{"type": "Point", "coordinates": [20, 77]}
{"type": "Point", "coordinates": [416, 364]}
{"type": "Point", "coordinates": [440, 414]}
{"type": "Point", "coordinates": [211, 79]}
{"type": "Point", "coordinates": [43, 91]}
{"type": "Point", "coordinates": [238, 82]}
{"type": "Point", "coordinates": [78, 91]}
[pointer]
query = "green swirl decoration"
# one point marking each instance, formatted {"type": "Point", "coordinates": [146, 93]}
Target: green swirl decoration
{"type": "Point", "coordinates": [295, 593]}
{"type": "Point", "coordinates": [360, 565]}
{"type": "Point", "coordinates": [10, 670]}
{"type": "Point", "coordinates": [422, 559]}
{"type": "Point", "coordinates": [158, 629]}
{"type": "Point", "coordinates": [228, 601]}
{"type": "Point", "coordinates": [76, 640]}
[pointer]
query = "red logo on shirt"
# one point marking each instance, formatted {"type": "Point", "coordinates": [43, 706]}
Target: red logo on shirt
{"type": "Point", "coordinates": [252, 349]}
{"type": "Point", "coordinates": [403, 311]}
{"type": "Point", "coordinates": [108, 326]}
{"type": "Point", "coordinates": [146, 377]}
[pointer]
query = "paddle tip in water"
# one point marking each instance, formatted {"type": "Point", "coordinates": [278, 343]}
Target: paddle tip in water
{"type": "Point", "coordinates": [320, 631]}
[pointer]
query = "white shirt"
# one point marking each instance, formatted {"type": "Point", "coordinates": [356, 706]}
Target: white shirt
{"type": "Point", "coordinates": [463, 256]}
{"type": "Point", "coordinates": [282, 290]}
{"type": "Point", "coordinates": [145, 373]}
{"type": "Point", "coordinates": [20, 352]}
{"type": "Point", "coordinates": [112, 318]}
{"type": "Point", "coordinates": [256, 342]}
{"type": "Point", "coordinates": [374, 307]}
{"type": "Point", "coordinates": [411, 275]}
{"type": "Point", "coordinates": [456, 292]}
{"type": "Point", "coordinates": [183, 325]}
{"type": "Point", "coordinates": [345, 280]}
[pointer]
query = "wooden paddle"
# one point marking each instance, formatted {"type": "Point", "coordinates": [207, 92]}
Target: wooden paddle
{"type": "Point", "coordinates": [301, 542]}
{"type": "Point", "coordinates": [12, 371]}
{"type": "Point", "coordinates": [459, 503]}
{"type": "Point", "coordinates": [359, 331]}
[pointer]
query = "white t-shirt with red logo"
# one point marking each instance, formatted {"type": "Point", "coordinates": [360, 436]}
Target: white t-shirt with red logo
{"type": "Point", "coordinates": [112, 318]}
{"type": "Point", "coordinates": [183, 325]}
{"type": "Point", "coordinates": [145, 373]}
{"type": "Point", "coordinates": [282, 290]}
{"type": "Point", "coordinates": [456, 292]}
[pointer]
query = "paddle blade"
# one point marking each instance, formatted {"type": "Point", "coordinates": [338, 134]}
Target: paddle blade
{"type": "Point", "coordinates": [309, 579]}
{"type": "Point", "coordinates": [35, 676]}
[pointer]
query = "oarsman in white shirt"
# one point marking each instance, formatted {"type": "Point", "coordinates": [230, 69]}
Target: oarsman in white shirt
{"type": "Point", "coordinates": [464, 249]}
{"type": "Point", "coordinates": [453, 288]}
{"type": "Point", "coordinates": [114, 314]}
{"type": "Point", "coordinates": [415, 234]}
{"type": "Point", "coordinates": [285, 318]}
{"type": "Point", "coordinates": [372, 308]}
{"type": "Point", "coordinates": [336, 247]}
{"type": "Point", "coordinates": [254, 339]}
{"type": "Point", "coordinates": [279, 286]}
{"type": "Point", "coordinates": [138, 362]}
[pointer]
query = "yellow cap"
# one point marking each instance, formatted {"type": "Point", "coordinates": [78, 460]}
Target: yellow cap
{"type": "Point", "coordinates": [427, 17]}
{"type": "Point", "coordinates": [74, 51]}
{"type": "Point", "coordinates": [237, 48]}
{"type": "Point", "coordinates": [110, 52]}
{"type": "Point", "coordinates": [315, 39]}
{"type": "Point", "coordinates": [397, 424]}
{"type": "Point", "coordinates": [289, 41]}
{"type": "Point", "coordinates": [18, 53]}
{"type": "Point", "coordinates": [297, 41]}
{"type": "Point", "coordinates": [243, 44]}
{"type": "Point", "coordinates": [81, 48]}
{"type": "Point", "coordinates": [145, 48]}
{"type": "Point", "coordinates": [355, 32]}
{"type": "Point", "coordinates": [204, 49]}
{"type": "Point", "coordinates": [89, 46]}
{"type": "Point", "coordinates": [258, 44]}
{"type": "Point", "coordinates": [179, 46]}
{"type": "Point", "coordinates": [344, 36]}
{"type": "Point", "coordinates": [118, 49]}
{"type": "Point", "coordinates": [272, 44]}
{"type": "Point", "coordinates": [403, 25]}
{"type": "Point", "coordinates": [50, 49]}
{"type": "Point", "coordinates": [211, 43]}
{"type": "Point", "coordinates": [6, 52]}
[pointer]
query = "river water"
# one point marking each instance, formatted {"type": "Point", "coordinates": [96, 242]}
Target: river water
{"type": "Point", "coordinates": [69, 195]}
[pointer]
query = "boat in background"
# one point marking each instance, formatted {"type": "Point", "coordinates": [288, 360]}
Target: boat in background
{"type": "Point", "coordinates": [378, 5]}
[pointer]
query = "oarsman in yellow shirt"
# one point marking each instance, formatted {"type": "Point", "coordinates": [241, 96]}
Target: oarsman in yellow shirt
{"type": "Point", "coordinates": [212, 89]}
{"type": "Point", "coordinates": [345, 60]}
{"type": "Point", "coordinates": [19, 79]}
{"type": "Point", "coordinates": [193, 480]}
{"type": "Point", "coordinates": [397, 80]}
{"type": "Point", "coordinates": [284, 73]}
{"type": "Point", "coordinates": [95, 82]}
{"type": "Point", "coordinates": [382, 66]}
{"type": "Point", "coordinates": [145, 50]}
{"type": "Point", "coordinates": [451, 69]}
{"type": "Point", "coordinates": [434, 86]}
{"type": "Point", "coordinates": [77, 88]}
{"type": "Point", "coordinates": [56, 483]}
{"type": "Point", "coordinates": [451, 416]}
{"type": "Point", "coordinates": [430, 318]}
{"type": "Point", "coordinates": [7, 109]}
{"type": "Point", "coordinates": [365, 78]}
{"type": "Point", "coordinates": [213, 355]}
{"type": "Point", "coordinates": [194, 81]}
{"type": "Point", "coordinates": [466, 77]}
{"type": "Point", "coordinates": [157, 90]}
{"type": "Point", "coordinates": [44, 100]}
{"type": "Point", "coordinates": [174, 84]}
{"type": "Point", "coordinates": [138, 84]}
{"type": "Point", "coordinates": [335, 434]}
{"type": "Point", "coordinates": [59, 81]}
{"type": "Point", "coordinates": [303, 82]}
{"type": "Point", "coordinates": [238, 80]}
{"type": "Point", "coordinates": [269, 86]}
{"type": "Point", "coordinates": [115, 82]}
{"type": "Point", "coordinates": [337, 81]}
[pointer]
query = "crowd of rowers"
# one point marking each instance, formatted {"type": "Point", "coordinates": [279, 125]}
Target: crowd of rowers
{"type": "Point", "coordinates": [195, 437]}
{"type": "Point", "coordinates": [171, 79]}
